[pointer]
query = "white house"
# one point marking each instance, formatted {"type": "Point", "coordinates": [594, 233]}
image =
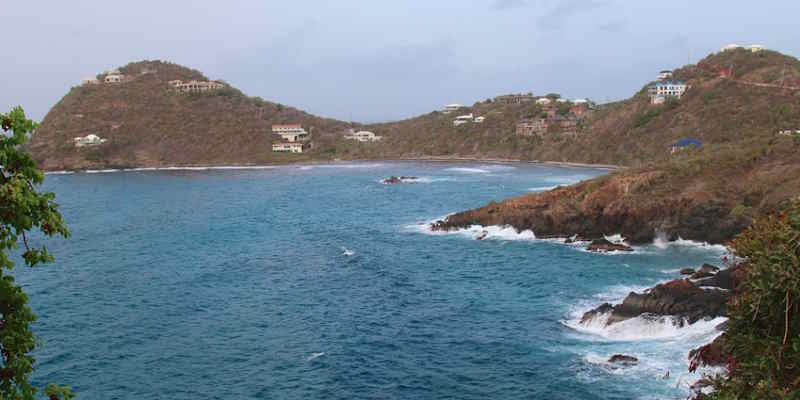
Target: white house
{"type": "Point", "coordinates": [543, 101]}
{"type": "Point", "coordinates": [452, 107]}
{"type": "Point", "coordinates": [659, 91]}
{"type": "Point", "coordinates": [462, 119]}
{"type": "Point", "coordinates": [113, 78]}
{"type": "Point", "coordinates": [580, 101]}
{"type": "Point", "coordinates": [288, 147]}
{"type": "Point", "coordinates": [196, 86]}
{"type": "Point", "coordinates": [291, 132]}
{"type": "Point", "coordinates": [363, 136]}
{"type": "Point", "coordinates": [755, 48]}
{"type": "Point", "coordinates": [479, 120]}
{"type": "Point", "coordinates": [88, 140]}
{"type": "Point", "coordinates": [664, 75]}
{"type": "Point", "coordinates": [731, 46]}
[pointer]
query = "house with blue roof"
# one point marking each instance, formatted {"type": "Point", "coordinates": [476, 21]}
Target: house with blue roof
{"type": "Point", "coordinates": [685, 143]}
{"type": "Point", "coordinates": [660, 90]}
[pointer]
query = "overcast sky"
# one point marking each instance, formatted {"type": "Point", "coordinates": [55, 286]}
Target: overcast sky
{"type": "Point", "coordinates": [368, 60]}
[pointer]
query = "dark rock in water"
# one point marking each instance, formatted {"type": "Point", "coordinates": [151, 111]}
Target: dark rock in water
{"type": "Point", "coordinates": [701, 275]}
{"type": "Point", "coordinates": [623, 360]}
{"type": "Point", "coordinates": [679, 298]}
{"type": "Point", "coordinates": [399, 179]}
{"type": "Point", "coordinates": [482, 235]}
{"type": "Point", "coordinates": [725, 279]}
{"type": "Point", "coordinates": [604, 308]}
{"type": "Point", "coordinates": [604, 245]}
{"type": "Point", "coordinates": [687, 271]}
{"type": "Point", "coordinates": [708, 268]}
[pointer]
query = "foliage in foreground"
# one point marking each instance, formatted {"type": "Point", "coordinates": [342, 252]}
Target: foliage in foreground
{"type": "Point", "coordinates": [22, 209]}
{"type": "Point", "coordinates": [763, 337]}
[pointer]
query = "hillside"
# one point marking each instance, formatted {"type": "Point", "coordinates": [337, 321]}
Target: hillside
{"type": "Point", "coordinates": [146, 123]}
{"type": "Point", "coordinates": [744, 168]}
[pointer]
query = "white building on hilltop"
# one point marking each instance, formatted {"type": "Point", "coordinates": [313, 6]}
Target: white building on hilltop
{"type": "Point", "coordinates": [291, 132]}
{"type": "Point", "coordinates": [659, 91]}
{"type": "Point", "coordinates": [452, 107]}
{"type": "Point", "coordinates": [755, 48]}
{"type": "Point", "coordinates": [730, 47]}
{"type": "Point", "coordinates": [544, 101]}
{"type": "Point", "coordinates": [113, 78]}
{"type": "Point", "coordinates": [88, 140]}
{"type": "Point", "coordinates": [195, 86]}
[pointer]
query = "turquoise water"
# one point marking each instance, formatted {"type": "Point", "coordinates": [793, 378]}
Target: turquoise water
{"type": "Point", "coordinates": [319, 282]}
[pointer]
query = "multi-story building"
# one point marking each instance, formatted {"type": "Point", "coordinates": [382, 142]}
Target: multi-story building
{"type": "Point", "coordinates": [113, 78]}
{"type": "Point", "coordinates": [514, 98]}
{"type": "Point", "coordinates": [451, 107]}
{"type": "Point", "coordinates": [291, 132]}
{"type": "Point", "coordinates": [195, 86]}
{"type": "Point", "coordinates": [289, 147]}
{"type": "Point", "coordinates": [659, 91]}
{"type": "Point", "coordinates": [462, 119]}
{"type": "Point", "coordinates": [532, 126]}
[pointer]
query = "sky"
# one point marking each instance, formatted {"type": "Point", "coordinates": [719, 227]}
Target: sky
{"type": "Point", "coordinates": [377, 60]}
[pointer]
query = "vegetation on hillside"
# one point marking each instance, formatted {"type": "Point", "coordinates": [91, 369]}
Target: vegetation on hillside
{"type": "Point", "coordinates": [24, 209]}
{"type": "Point", "coordinates": [763, 336]}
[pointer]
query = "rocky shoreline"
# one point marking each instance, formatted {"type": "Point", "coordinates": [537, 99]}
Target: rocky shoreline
{"type": "Point", "coordinates": [687, 301]}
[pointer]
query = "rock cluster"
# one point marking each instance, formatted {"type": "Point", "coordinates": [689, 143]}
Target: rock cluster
{"type": "Point", "coordinates": [399, 179]}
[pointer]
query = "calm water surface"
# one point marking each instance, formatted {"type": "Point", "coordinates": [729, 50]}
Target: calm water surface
{"type": "Point", "coordinates": [318, 282]}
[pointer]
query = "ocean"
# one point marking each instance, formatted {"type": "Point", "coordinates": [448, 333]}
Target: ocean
{"type": "Point", "coordinates": [320, 282]}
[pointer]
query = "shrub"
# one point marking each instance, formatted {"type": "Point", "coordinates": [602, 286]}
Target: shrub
{"type": "Point", "coordinates": [763, 337]}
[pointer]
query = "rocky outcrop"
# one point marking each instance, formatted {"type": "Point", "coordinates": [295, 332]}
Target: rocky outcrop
{"type": "Point", "coordinates": [687, 271]}
{"type": "Point", "coordinates": [399, 179]}
{"type": "Point", "coordinates": [679, 298]}
{"type": "Point", "coordinates": [604, 245]}
{"type": "Point", "coordinates": [622, 359]}
{"type": "Point", "coordinates": [627, 202]}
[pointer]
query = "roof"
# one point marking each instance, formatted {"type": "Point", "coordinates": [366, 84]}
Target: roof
{"type": "Point", "coordinates": [688, 142]}
{"type": "Point", "coordinates": [667, 83]}
{"type": "Point", "coordinates": [287, 126]}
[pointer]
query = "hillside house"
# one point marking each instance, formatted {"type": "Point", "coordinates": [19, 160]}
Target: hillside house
{"type": "Point", "coordinates": [289, 147]}
{"type": "Point", "coordinates": [659, 91]}
{"type": "Point", "coordinates": [463, 119]}
{"type": "Point", "coordinates": [580, 110]}
{"type": "Point", "coordinates": [113, 78]}
{"type": "Point", "coordinates": [88, 140]}
{"type": "Point", "coordinates": [755, 48]}
{"type": "Point", "coordinates": [479, 120]}
{"type": "Point", "coordinates": [194, 86]}
{"type": "Point", "coordinates": [451, 107]}
{"type": "Point", "coordinates": [730, 47]}
{"type": "Point", "coordinates": [291, 132]}
{"type": "Point", "coordinates": [363, 136]}
{"type": "Point", "coordinates": [685, 143]}
{"type": "Point", "coordinates": [514, 98]}
{"type": "Point", "coordinates": [543, 101]}
{"type": "Point", "coordinates": [664, 75]}
{"type": "Point", "coordinates": [531, 127]}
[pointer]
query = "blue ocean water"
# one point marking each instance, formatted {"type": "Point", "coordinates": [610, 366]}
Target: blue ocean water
{"type": "Point", "coordinates": [319, 282]}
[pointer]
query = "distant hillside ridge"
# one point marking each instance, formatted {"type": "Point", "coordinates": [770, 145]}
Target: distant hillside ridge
{"type": "Point", "coordinates": [734, 97]}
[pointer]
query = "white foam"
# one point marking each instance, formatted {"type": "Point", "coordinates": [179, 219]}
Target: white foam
{"type": "Point", "coordinates": [349, 166]}
{"type": "Point", "coordinates": [468, 170]}
{"type": "Point", "coordinates": [314, 356]}
{"type": "Point", "coordinates": [59, 172]}
{"type": "Point", "coordinates": [347, 252]}
{"type": "Point", "coordinates": [101, 171]}
{"type": "Point", "coordinates": [542, 188]}
{"type": "Point", "coordinates": [646, 327]}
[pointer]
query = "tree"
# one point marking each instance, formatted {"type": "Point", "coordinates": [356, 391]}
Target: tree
{"type": "Point", "coordinates": [23, 208]}
{"type": "Point", "coordinates": [762, 341]}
